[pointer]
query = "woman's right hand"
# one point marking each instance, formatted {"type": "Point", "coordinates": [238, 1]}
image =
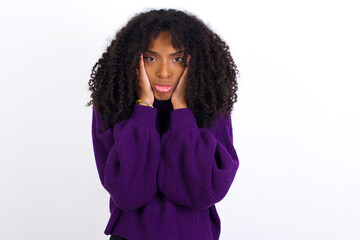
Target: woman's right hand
{"type": "Point", "coordinates": [145, 91]}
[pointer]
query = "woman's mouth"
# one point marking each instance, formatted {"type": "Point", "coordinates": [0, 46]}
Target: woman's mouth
{"type": "Point", "coordinates": [163, 88]}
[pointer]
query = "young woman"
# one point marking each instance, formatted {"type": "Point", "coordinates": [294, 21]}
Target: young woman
{"type": "Point", "coordinates": [162, 95]}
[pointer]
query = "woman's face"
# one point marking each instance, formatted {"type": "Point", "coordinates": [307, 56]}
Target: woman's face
{"type": "Point", "coordinates": [164, 65]}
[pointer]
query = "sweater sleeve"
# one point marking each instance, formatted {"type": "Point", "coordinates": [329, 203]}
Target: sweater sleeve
{"type": "Point", "coordinates": [127, 157]}
{"type": "Point", "coordinates": [197, 165]}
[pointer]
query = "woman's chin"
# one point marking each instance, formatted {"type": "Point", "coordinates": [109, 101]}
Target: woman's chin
{"type": "Point", "coordinates": [163, 97]}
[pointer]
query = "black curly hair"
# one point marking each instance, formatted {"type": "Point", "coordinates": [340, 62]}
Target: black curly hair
{"type": "Point", "coordinates": [212, 74]}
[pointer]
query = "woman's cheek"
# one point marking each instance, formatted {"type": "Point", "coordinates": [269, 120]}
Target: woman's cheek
{"type": "Point", "coordinates": [148, 70]}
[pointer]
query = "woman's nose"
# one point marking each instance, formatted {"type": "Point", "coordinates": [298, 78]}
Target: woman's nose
{"type": "Point", "coordinates": [163, 70]}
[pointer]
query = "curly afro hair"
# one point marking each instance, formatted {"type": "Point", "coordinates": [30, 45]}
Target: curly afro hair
{"type": "Point", "coordinates": [212, 74]}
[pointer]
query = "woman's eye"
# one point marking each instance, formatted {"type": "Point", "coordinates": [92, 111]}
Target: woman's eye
{"type": "Point", "coordinates": [150, 59]}
{"type": "Point", "coordinates": [178, 59]}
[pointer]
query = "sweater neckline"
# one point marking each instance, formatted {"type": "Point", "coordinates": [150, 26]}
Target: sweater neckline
{"type": "Point", "coordinates": [163, 105]}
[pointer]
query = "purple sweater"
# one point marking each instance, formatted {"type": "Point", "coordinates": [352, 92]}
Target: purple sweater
{"type": "Point", "coordinates": [164, 174]}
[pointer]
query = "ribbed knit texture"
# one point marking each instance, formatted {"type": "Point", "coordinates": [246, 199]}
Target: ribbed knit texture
{"type": "Point", "coordinates": [163, 173]}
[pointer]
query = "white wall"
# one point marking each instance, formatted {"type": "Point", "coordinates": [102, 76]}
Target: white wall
{"type": "Point", "coordinates": [296, 123]}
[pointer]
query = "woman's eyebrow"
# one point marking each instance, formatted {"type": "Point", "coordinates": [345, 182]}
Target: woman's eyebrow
{"type": "Point", "coordinates": [171, 54]}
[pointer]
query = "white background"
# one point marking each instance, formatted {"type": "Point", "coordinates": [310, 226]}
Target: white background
{"type": "Point", "coordinates": [296, 122]}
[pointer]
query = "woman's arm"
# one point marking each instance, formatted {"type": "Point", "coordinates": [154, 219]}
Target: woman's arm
{"type": "Point", "coordinates": [197, 165]}
{"type": "Point", "coordinates": [127, 157]}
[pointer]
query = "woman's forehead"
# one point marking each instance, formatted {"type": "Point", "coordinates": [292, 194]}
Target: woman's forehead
{"type": "Point", "coordinates": [163, 42]}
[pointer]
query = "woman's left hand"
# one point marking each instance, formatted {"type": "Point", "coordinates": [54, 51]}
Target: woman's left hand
{"type": "Point", "coordinates": [178, 96]}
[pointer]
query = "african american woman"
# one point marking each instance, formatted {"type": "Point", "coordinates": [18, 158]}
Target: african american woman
{"type": "Point", "coordinates": [162, 96]}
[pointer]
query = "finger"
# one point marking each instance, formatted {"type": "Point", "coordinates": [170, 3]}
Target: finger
{"type": "Point", "coordinates": [183, 77]}
{"type": "Point", "coordinates": [185, 72]}
{"type": "Point", "coordinates": [141, 65]}
{"type": "Point", "coordinates": [141, 62]}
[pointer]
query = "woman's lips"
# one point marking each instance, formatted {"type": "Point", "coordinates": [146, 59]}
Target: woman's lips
{"type": "Point", "coordinates": [163, 88]}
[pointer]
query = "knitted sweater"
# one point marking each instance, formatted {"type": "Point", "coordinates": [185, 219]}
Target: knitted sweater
{"type": "Point", "coordinates": [164, 174]}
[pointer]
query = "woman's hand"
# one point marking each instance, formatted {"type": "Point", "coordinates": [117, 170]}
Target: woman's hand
{"type": "Point", "coordinates": [145, 91]}
{"type": "Point", "coordinates": [178, 96]}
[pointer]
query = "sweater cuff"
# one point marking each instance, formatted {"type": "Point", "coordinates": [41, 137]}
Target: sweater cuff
{"type": "Point", "coordinates": [144, 116]}
{"type": "Point", "coordinates": [182, 118]}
